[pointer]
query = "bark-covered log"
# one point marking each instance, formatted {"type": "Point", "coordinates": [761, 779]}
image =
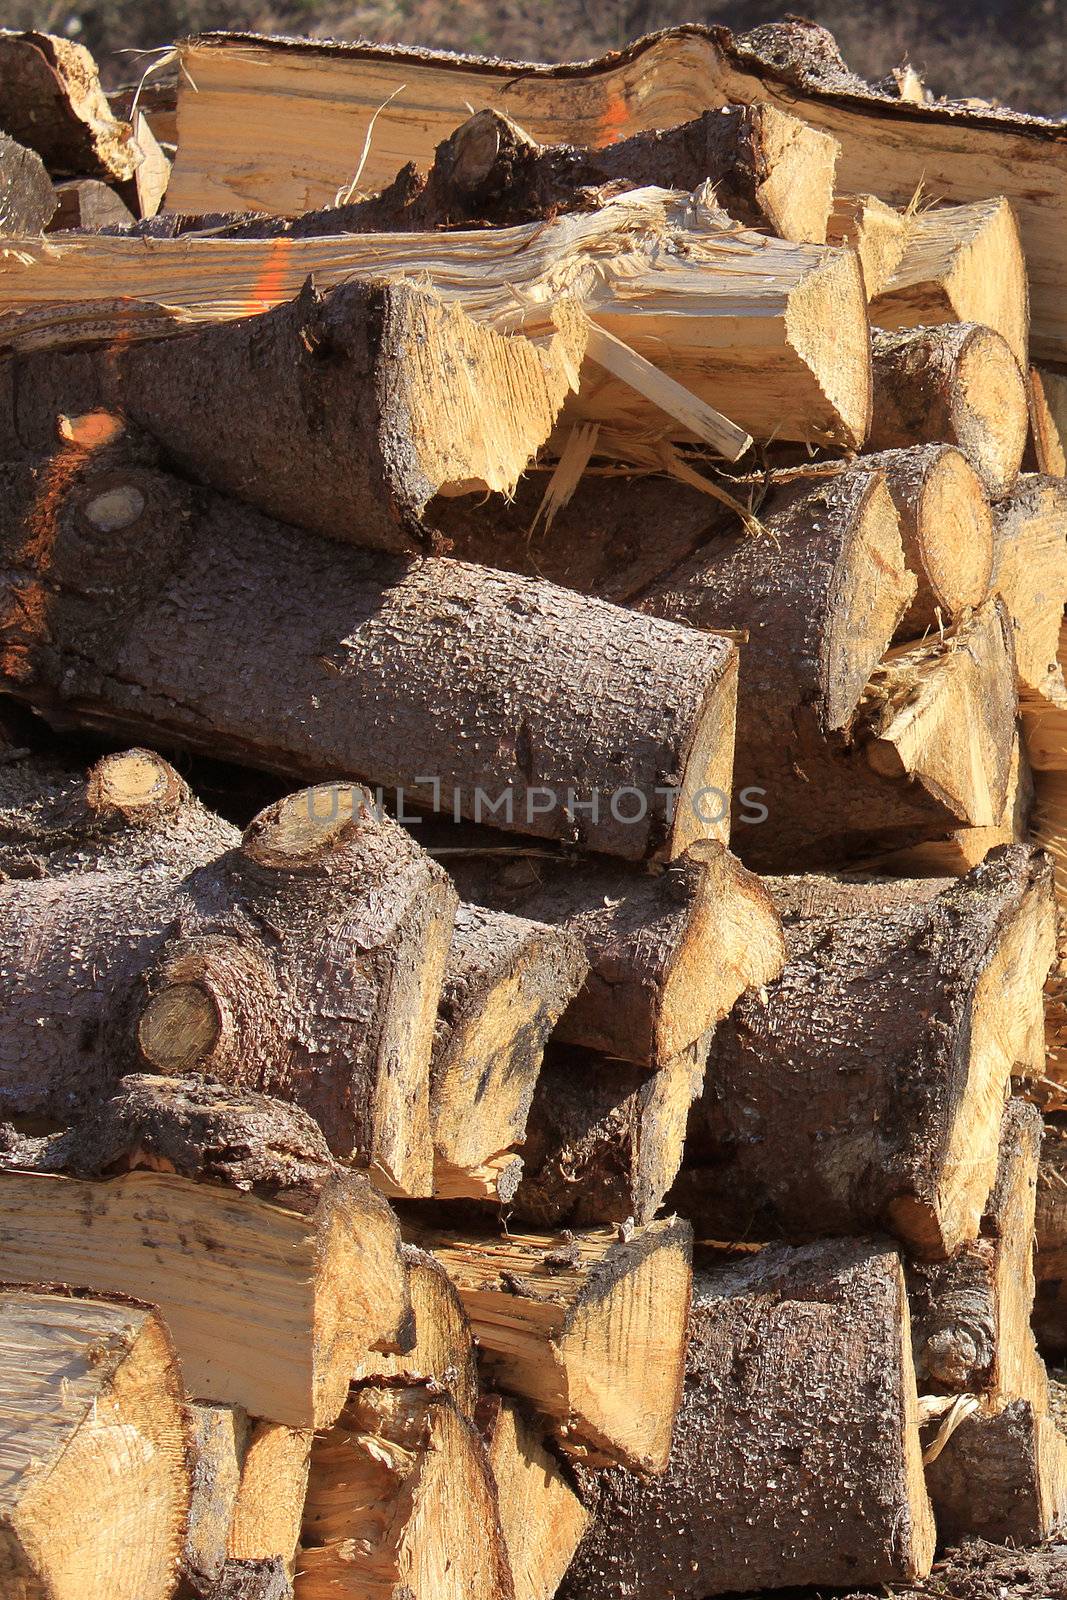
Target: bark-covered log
{"type": "Point", "coordinates": [877, 233]}
{"type": "Point", "coordinates": [344, 412]}
{"type": "Point", "coordinates": [252, 1580]}
{"type": "Point", "coordinates": [541, 1517]}
{"type": "Point", "coordinates": [218, 1440]}
{"type": "Point", "coordinates": [669, 952]}
{"type": "Point", "coordinates": [589, 1328]}
{"type": "Point", "coordinates": [401, 1502]}
{"type": "Point", "coordinates": [27, 198]}
{"type": "Point", "coordinates": [796, 1455]}
{"type": "Point", "coordinates": [96, 1480]}
{"type": "Point", "coordinates": [443, 1349]}
{"type": "Point", "coordinates": [275, 1269]}
{"type": "Point", "coordinates": [506, 983]}
{"type": "Point", "coordinates": [605, 1138]}
{"type": "Point", "coordinates": [1030, 573]}
{"type": "Point", "coordinates": [269, 1501]}
{"type": "Point", "coordinates": [307, 963]}
{"type": "Point", "coordinates": [51, 100]}
{"type": "Point", "coordinates": [971, 1314]}
{"type": "Point", "coordinates": [429, 675]}
{"type": "Point", "coordinates": [89, 204]}
{"type": "Point", "coordinates": [946, 528]}
{"type": "Point", "coordinates": [955, 384]}
{"type": "Point", "coordinates": [961, 264]}
{"type": "Point", "coordinates": [1050, 1307]}
{"type": "Point", "coordinates": [1001, 1477]}
{"type": "Point", "coordinates": [866, 1086]}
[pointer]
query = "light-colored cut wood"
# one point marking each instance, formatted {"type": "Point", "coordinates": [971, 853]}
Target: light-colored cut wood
{"type": "Point", "coordinates": [541, 1516]}
{"type": "Point", "coordinates": [443, 1351]}
{"type": "Point", "coordinates": [269, 1503]}
{"type": "Point", "coordinates": [877, 233]}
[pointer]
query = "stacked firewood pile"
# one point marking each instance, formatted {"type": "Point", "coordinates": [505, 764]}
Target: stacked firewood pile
{"type": "Point", "coordinates": [530, 644]}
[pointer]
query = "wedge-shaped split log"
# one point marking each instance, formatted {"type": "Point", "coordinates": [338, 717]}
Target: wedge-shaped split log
{"type": "Point", "coordinates": [429, 675]}
{"type": "Point", "coordinates": [541, 1516]}
{"type": "Point", "coordinates": [94, 1478]}
{"type": "Point", "coordinates": [589, 1328]}
{"type": "Point", "coordinates": [1050, 1308]}
{"type": "Point", "coordinates": [1030, 573]}
{"type": "Point", "coordinates": [51, 100]}
{"type": "Point", "coordinates": [274, 1269]}
{"type": "Point", "coordinates": [877, 233]}
{"type": "Point", "coordinates": [1002, 1476]}
{"type": "Point", "coordinates": [269, 1504]}
{"type": "Point", "coordinates": [796, 1456]}
{"type": "Point", "coordinates": [443, 1349]}
{"type": "Point", "coordinates": [957, 384]}
{"type": "Point", "coordinates": [811, 1123]}
{"type": "Point", "coordinates": [218, 1440]}
{"type": "Point", "coordinates": [401, 1502]}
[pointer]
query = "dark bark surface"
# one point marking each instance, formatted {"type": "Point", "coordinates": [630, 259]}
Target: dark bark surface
{"type": "Point", "coordinates": [27, 198]}
{"type": "Point", "coordinates": [1001, 1477]}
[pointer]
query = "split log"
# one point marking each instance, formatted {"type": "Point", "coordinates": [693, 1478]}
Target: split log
{"type": "Point", "coordinates": [131, 812]}
{"type": "Point", "coordinates": [1001, 1477]}
{"type": "Point", "coordinates": [51, 100]}
{"type": "Point", "coordinates": [971, 1314]}
{"type": "Point", "coordinates": [172, 649]}
{"type": "Point", "coordinates": [443, 1349]}
{"type": "Point", "coordinates": [218, 1440]}
{"type": "Point", "coordinates": [343, 412]}
{"type": "Point", "coordinates": [334, 1011]}
{"type": "Point", "coordinates": [507, 981]}
{"type": "Point", "coordinates": [1050, 1308]}
{"type": "Point", "coordinates": [1046, 451]}
{"type": "Point", "coordinates": [605, 1139]}
{"type": "Point", "coordinates": [541, 1517]}
{"type": "Point", "coordinates": [877, 233]}
{"type": "Point", "coordinates": [961, 264]}
{"type": "Point", "coordinates": [27, 198]}
{"type": "Point", "coordinates": [1030, 572]}
{"type": "Point", "coordinates": [275, 1269]}
{"type": "Point", "coordinates": [669, 952]}
{"type": "Point", "coordinates": [95, 1486]}
{"type": "Point", "coordinates": [269, 1501]}
{"type": "Point", "coordinates": [89, 204]}
{"type": "Point", "coordinates": [810, 1123]}
{"type": "Point", "coordinates": [589, 1328]}
{"type": "Point", "coordinates": [780, 327]}
{"type": "Point", "coordinates": [796, 1456]}
{"type": "Point", "coordinates": [946, 528]}
{"type": "Point", "coordinates": [401, 1502]}
{"type": "Point", "coordinates": [956, 384]}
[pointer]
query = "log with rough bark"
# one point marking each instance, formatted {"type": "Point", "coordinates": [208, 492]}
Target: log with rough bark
{"type": "Point", "coordinates": [269, 1499]}
{"type": "Point", "coordinates": [961, 264]}
{"type": "Point", "coordinates": [669, 952]}
{"type": "Point", "coordinates": [27, 199]}
{"type": "Point", "coordinates": [252, 1580]}
{"type": "Point", "coordinates": [605, 1138]}
{"type": "Point", "coordinates": [702, 308]}
{"type": "Point", "coordinates": [955, 384]}
{"type": "Point", "coordinates": [375, 668]}
{"type": "Point", "coordinates": [344, 412]}
{"type": "Point", "coordinates": [1050, 1307]}
{"type": "Point", "coordinates": [877, 233]}
{"type": "Point", "coordinates": [443, 1350]}
{"type": "Point", "coordinates": [971, 1314]}
{"type": "Point", "coordinates": [90, 204]}
{"type": "Point", "coordinates": [51, 100]}
{"type": "Point", "coordinates": [589, 1328]}
{"type": "Point", "coordinates": [507, 981]}
{"type": "Point", "coordinates": [218, 1440]}
{"type": "Point", "coordinates": [796, 1456]}
{"type": "Point", "coordinates": [946, 527]}
{"type": "Point", "coordinates": [814, 1123]}
{"type": "Point", "coordinates": [1030, 573]}
{"type": "Point", "coordinates": [94, 1476]}
{"type": "Point", "coordinates": [334, 1010]}
{"type": "Point", "coordinates": [541, 1517]}
{"type": "Point", "coordinates": [401, 1502]}
{"type": "Point", "coordinates": [275, 1269]}
{"type": "Point", "coordinates": [1002, 1476]}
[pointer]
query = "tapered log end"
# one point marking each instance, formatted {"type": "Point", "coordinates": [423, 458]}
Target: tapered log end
{"type": "Point", "coordinates": [306, 828]}
{"type": "Point", "coordinates": [134, 783]}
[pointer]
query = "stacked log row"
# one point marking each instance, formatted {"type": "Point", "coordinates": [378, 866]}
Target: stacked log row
{"type": "Point", "coordinates": [532, 1004]}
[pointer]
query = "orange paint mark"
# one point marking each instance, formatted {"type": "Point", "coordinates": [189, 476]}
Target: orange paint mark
{"type": "Point", "coordinates": [273, 283]}
{"type": "Point", "coordinates": [614, 121]}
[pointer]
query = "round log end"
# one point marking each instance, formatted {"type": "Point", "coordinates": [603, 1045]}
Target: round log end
{"type": "Point", "coordinates": [179, 1028]}
{"type": "Point", "coordinates": [93, 430]}
{"type": "Point", "coordinates": [115, 508]}
{"type": "Point", "coordinates": [132, 782]}
{"type": "Point", "coordinates": [307, 827]}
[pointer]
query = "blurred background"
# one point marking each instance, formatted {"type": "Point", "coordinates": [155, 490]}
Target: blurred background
{"type": "Point", "coordinates": [1010, 52]}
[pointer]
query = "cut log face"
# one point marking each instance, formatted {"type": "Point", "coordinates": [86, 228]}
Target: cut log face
{"type": "Point", "coordinates": [1001, 1477]}
{"type": "Point", "coordinates": [589, 1328]}
{"type": "Point", "coordinates": [961, 264]}
{"type": "Point", "coordinates": [382, 664]}
{"type": "Point", "coordinates": [971, 1314]}
{"type": "Point", "coordinates": [269, 1502]}
{"type": "Point", "coordinates": [94, 1480]}
{"type": "Point", "coordinates": [814, 1343]}
{"type": "Point", "coordinates": [1045, 452]}
{"type": "Point", "coordinates": [27, 198]}
{"type": "Point", "coordinates": [218, 1441]}
{"type": "Point", "coordinates": [957, 384]}
{"type": "Point", "coordinates": [1050, 1309]}
{"type": "Point", "coordinates": [401, 1502]}
{"type": "Point", "coordinates": [946, 527]}
{"type": "Point", "coordinates": [506, 983]}
{"type": "Point", "coordinates": [668, 953]}
{"type": "Point", "coordinates": [443, 1352]}
{"type": "Point", "coordinates": [809, 1126]}
{"type": "Point", "coordinates": [875, 231]}
{"type": "Point", "coordinates": [1030, 573]}
{"type": "Point", "coordinates": [605, 1139]}
{"type": "Point", "coordinates": [51, 100]}
{"type": "Point", "coordinates": [541, 1516]}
